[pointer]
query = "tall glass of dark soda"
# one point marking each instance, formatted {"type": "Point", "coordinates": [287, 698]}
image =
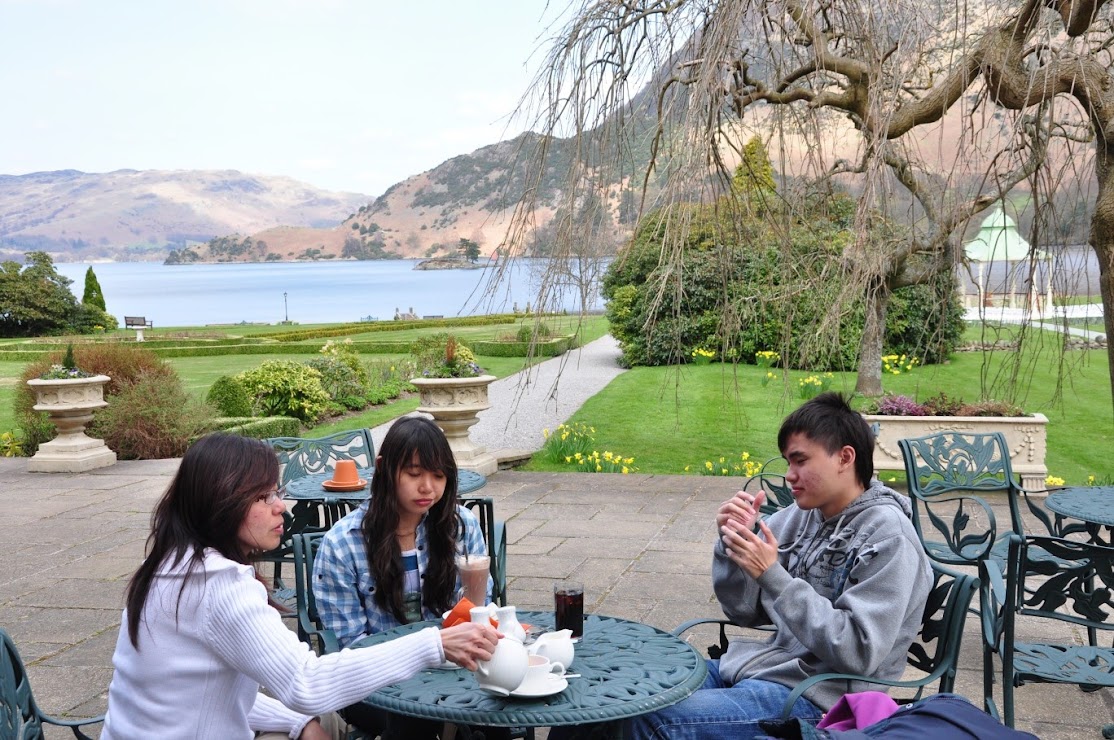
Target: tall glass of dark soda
{"type": "Point", "coordinates": [568, 603]}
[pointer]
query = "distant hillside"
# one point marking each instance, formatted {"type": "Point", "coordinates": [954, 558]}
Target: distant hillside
{"type": "Point", "coordinates": [142, 215]}
{"type": "Point", "coordinates": [471, 196]}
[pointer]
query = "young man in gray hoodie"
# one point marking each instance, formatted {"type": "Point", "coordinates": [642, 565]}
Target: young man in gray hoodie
{"type": "Point", "coordinates": [841, 575]}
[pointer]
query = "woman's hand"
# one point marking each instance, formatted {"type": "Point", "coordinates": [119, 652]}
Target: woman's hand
{"type": "Point", "coordinates": [467, 643]}
{"type": "Point", "coordinates": [314, 731]}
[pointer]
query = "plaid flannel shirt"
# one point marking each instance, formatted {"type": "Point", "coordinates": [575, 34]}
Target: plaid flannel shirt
{"type": "Point", "coordinates": [344, 587]}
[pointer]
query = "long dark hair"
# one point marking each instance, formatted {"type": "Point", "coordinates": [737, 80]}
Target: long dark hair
{"type": "Point", "coordinates": [220, 476]}
{"type": "Point", "coordinates": [443, 525]}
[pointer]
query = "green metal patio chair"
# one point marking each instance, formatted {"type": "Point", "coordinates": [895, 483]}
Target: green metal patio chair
{"type": "Point", "coordinates": [935, 652]}
{"type": "Point", "coordinates": [20, 716]}
{"type": "Point", "coordinates": [947, 472]}
{"type": "Point", "coordinates": [310, 629]}
{"type": "Point", "coordinates": [301, 456]}
{"type": "Point", "coordinates": [1057, 581]}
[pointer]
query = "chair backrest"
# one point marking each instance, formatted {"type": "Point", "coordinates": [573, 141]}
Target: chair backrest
{"type": "Point", "coordinates": [936, 649]}
{"type": "Point", "coordinates": [309, 621]}
{"type": "Point", "coordinates": [18, 716]}
{"type": "Point", "coordinates": [955, 462]}
{"type": "Point", "coordinates": [779, 494]}
{"type": "Point", "coordinates": [300, 456]}
{"type": "Point", "coordinates": [948, 465]}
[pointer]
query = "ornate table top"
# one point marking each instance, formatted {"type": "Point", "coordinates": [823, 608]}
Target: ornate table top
{"type": "Point", "coordinates": [626, 669]}
{"type": "Point", "coordinates": [308, 487]}
{"type": "Point", "coordinates": [1093, 504]}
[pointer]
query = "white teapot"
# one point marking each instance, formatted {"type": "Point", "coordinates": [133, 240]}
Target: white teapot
{"type": "Point", "coordinates": [556, 646]}
{"type": "Point", "coordinates": [504, 672]}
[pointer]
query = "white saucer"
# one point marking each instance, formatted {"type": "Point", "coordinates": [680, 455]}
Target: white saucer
{"type": "Point", "coordinates": [554, 685]}
{"type": "Point", "coordinates": [448, 665]}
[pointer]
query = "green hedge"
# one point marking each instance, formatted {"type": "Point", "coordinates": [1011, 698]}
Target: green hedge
{"type": "Point", "coordinates": [257, 428]}
{"type": "Point", "coordinates": [365, 327]}
{"type": "Point", "coordinates": [551, 348]}
{"type": "Point", "coordinates": [271, 348]}
{"type": "Point", "coordinates": [147, 344]}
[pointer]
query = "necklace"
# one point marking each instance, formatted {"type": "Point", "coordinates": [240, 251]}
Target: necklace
{"type": "Point", "coordinates": [406, 534]}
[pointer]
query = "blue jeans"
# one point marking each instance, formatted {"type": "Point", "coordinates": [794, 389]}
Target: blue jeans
{"type": "Point", "coordinates": [716, 711]}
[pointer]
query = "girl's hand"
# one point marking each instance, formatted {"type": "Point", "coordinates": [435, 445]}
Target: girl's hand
{"type": "Point", "coordinates": [467, 643]}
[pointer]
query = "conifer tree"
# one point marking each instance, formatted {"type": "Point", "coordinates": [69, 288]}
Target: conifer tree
{"type": "Point", "coordinates": [93, 295]}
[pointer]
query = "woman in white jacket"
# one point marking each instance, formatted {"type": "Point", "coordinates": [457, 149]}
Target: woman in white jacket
{"type": "Point", "coordinates": [199, 637]}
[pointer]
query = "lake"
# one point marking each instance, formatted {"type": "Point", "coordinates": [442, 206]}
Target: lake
{"type": "Point", "coordinates": [309, 292]}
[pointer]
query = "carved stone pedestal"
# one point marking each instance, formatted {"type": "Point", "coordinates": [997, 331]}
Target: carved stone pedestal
{"type": "Point", "coordinates": [453, 403]}
{"type": "Point", "coordinates": [70, 404]}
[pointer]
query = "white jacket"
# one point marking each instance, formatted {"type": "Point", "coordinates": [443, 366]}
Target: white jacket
{"type": "Point", "coordinates": [201, 662]}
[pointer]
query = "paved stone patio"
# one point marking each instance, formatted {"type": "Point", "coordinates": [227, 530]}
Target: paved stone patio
{"type": "Point", "coordinates": [640, 543]}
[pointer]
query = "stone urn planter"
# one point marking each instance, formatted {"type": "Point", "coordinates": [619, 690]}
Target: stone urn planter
{"type": "Point", "coordinates": [70, 404]}
{"type": "Point", "coordinates": [453, 403]}
{"type": "Point", "coordinates": [1026, 439]}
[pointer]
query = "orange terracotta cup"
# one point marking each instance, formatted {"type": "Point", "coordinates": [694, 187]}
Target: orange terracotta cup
{"type": "Point", "coordinates": [345, 473]}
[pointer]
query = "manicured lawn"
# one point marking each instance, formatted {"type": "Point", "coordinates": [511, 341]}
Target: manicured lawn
{"type": "Point", "coordinates": [669, 418]}
{"type": "Point", "coordinates": [199, 373]}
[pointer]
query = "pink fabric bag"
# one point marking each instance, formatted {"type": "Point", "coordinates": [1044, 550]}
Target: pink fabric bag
{"type": "Point", "coordinates": [856, 711]}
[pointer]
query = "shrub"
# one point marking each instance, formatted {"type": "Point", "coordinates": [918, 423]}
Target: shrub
{"type": "Point", "coordinates": [286, 388]}
{"type": "Point", "coordinates": [339, 380]}
{"type": "Point", "coordinates": [991, 408]}
{"type": "Point", "coordinates": [122, 363]}
{"type": "Point", "coordinates": [346, 353]}
{"type": "Point", "coordinates": [742, 289]}
{"type": "Point", "coordinates": [528, 333]}
{"type": "Point", "coordinates": [10, 445]}
{"type": "Point", "coordinates": [150, 418]}
{"type": "Point", "coordinates": [942, 405]}
{"type": "Point", "coordinates": [442, 356]}
{"type": "Point", "coordinates": [897, 406]}
{"type": "Point", "coordinates": [229, 396]}
{"type": "Point", "coordinates": [256, 428]}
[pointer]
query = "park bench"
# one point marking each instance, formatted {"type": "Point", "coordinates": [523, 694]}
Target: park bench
{"type": "Point", "coordinates": [139, 323]}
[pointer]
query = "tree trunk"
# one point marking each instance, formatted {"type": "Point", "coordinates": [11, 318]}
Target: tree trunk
{"type": "Point", "coordinates": [1102, 241]}
{"type": "Point", "coordinates": [869, 381]}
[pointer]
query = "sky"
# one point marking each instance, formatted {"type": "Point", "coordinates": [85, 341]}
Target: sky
{"type": "Point", "coordinates": [351, 95]}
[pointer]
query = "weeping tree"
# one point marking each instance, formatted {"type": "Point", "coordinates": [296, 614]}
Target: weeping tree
{"type": "Point", "coordinates": [930, 111]}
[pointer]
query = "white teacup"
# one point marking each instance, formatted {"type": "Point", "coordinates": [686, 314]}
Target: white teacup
{"type": "Point", "coordinates": [505, 671]}
{"type": "Point", "coordinates": [539, 673]}
{"type": "Point", "coordinates": [557, 646]}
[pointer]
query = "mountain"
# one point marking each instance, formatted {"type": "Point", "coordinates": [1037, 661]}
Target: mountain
{"type": "Point", "coordinates": [142, 215]}
{"type": "Point", "coordinates": [471, 196]}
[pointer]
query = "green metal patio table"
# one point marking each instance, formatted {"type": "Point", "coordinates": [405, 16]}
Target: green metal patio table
{"type": "Point", "coordinates": [625, 669]}
{"type": "Point", "coordinates": [1093, 505]}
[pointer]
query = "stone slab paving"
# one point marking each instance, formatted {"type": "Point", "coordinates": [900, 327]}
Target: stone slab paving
{"type": "Point", "coordinates": [640, 543]}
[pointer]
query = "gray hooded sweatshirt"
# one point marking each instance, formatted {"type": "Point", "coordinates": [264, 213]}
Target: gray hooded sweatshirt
{"type": "Point", "coordinates": [846, 595]}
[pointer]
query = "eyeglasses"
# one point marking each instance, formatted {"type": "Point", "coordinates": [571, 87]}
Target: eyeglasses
{"type": "Point", "coordinates": [272, 496]}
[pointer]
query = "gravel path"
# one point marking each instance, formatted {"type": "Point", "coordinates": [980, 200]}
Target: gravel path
{"type": "Point", "coordinates": [524, 404]}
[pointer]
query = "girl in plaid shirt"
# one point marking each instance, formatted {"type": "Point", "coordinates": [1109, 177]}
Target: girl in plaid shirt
{"type": "Point", "coordinates": [392, 560]}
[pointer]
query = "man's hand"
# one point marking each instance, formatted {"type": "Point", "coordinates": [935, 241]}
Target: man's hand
{"type": "Point", "coordinates": [314, 731]}
{"type": "Point", "coordinates": [464, 644]}
{"type": "Point", "coordinates": [753, 553]}
{"type": "Point", "coordinates": [740, 510]}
